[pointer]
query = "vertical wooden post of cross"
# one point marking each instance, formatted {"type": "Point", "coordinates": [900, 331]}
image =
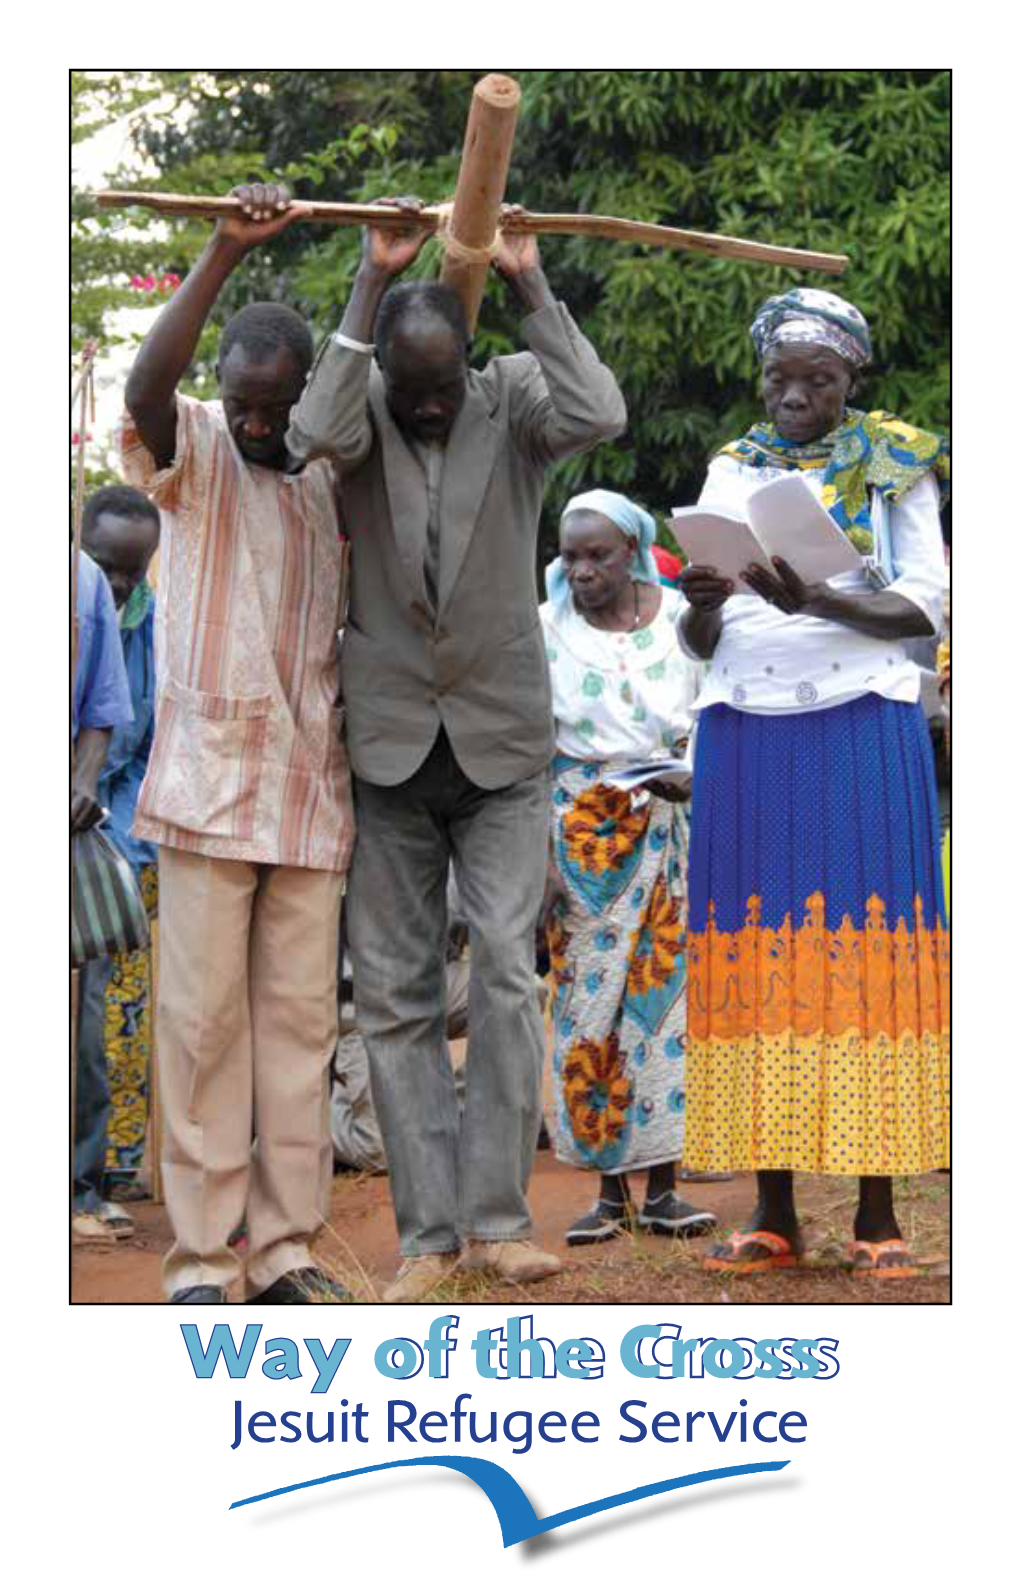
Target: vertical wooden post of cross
{"type": "Point", "coordinates": [481, 183]}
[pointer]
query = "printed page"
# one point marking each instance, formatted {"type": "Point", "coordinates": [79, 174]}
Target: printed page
{"type": "Point", "coordinates": [790, 523]}
{"type": "Point", "coordinates": [722, 541]}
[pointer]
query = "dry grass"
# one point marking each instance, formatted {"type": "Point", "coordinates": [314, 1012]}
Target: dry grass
{"type": "Point", "coordinates": [358, 1248]}
{"type": "Point", "coordinates": [640, 1268]}
{"type": "Point", "coordinates": [647, 1269]}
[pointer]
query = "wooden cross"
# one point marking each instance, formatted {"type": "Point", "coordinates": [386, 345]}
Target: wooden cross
{"type": "Point", "coordinates": [468, 228]}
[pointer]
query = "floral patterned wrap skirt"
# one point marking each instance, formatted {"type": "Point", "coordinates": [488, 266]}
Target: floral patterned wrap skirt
{"type": "Point", "coordinates": [818, 947]}
{"type": "Point", "coordinates": [619, 969]}
{"type": "Point", "coordinates": [128, 1041]}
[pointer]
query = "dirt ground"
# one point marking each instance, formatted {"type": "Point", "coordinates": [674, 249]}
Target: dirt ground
{"type": "Point", "coordinates": [359, 1247]}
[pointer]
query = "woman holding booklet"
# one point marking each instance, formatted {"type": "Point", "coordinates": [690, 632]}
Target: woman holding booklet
{"type": "Point", "coordinates": [617, 897]}
{"type": "Point", "coordinates": [818, 952]}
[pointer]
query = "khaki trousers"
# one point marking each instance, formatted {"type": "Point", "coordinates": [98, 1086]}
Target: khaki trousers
{"type": "Point", "coordinates": [247, 1023]}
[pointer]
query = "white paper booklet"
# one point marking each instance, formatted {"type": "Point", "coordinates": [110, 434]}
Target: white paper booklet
{"type": "Point", "coordinates": [642, 772]}
{"type": "Point", "coordinates": [784, 520]}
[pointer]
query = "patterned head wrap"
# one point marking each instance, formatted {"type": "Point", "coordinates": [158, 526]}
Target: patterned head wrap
{"type": "Point", "coordinates": [812, 317]}
{"type": "Point", "coordinates": [631, 519]}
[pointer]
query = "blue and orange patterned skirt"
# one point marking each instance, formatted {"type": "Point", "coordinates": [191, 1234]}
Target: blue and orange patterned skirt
{"type": "Point", "coordinates": [617, 951]}
{"type": "Point", "coordinates": [818, 949]}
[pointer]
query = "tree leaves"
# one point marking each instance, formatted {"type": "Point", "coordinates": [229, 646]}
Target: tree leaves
{"type": "Point", "coordinates": [854, 161]}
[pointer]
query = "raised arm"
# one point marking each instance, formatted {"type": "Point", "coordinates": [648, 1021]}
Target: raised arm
{"type": "Point", "coordinates": [167, 350]}
{"type": "Point", "coordinates": [576, 402]}
{"type": "Point", "coordinates": [330, 419]}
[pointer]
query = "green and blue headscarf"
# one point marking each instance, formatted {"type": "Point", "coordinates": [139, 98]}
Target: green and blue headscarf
{"type": "Point", "coordinates": [631, 519]}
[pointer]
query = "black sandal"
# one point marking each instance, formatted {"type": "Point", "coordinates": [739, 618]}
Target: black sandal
{"type": "Point", "coordinates": [669, 1216]}
{"type": "Point", "coordinates": [606, 1220]}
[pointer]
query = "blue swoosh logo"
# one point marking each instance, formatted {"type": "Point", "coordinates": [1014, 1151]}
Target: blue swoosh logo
{"type": "Point", "coordinates": [517, 1520]}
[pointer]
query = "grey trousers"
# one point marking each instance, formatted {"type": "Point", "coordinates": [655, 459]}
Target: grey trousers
{"type": "Point", "coordinates": [353, 1129]}
{"type": "Point", "coordinates": [357, 1141]}
{"type": "Point", "coordinates": [453, 1176]}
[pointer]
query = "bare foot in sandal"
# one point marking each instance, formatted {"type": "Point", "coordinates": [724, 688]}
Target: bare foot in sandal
{"type": "Point", "coordinates": [890, 1260]}
{"type": "Point", "coordinates": [745, 1252]}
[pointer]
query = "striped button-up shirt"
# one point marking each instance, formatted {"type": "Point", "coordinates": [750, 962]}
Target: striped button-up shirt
{"type": "Point", "coordinates": [248, 761]}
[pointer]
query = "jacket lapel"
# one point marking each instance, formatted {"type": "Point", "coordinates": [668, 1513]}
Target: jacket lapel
{"type": "Point", "coordinates": [470, 455]}
{"type": "Point", "coordinates": [405, 491]}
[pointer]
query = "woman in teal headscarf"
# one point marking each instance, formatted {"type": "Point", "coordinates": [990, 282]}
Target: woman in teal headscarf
{"type": "Point", "coordinates": [622, 692]}
{"type": "Point", "coordinates": [819, 1030]}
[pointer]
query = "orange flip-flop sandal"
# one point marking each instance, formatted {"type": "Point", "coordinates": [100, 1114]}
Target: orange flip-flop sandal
{"type": "Point", "coordinates": [873, 1251]}
{"type": "Point", "coordinates": [780, 1254]}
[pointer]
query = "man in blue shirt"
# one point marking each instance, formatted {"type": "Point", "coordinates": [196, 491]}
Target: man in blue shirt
{"type": "Point", "coordinates": [114, 697]}
{"type": "Point", "coordinates": [120, 532]}
{"type": "Point", "coordinates": [100, 698]}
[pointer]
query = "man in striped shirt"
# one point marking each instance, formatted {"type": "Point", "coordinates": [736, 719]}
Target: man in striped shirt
{"type": "Point", "coordinates": [247, 793]}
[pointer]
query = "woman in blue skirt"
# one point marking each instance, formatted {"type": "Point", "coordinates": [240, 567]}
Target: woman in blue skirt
{"type": "Point", "coordinates": [818, 1010]}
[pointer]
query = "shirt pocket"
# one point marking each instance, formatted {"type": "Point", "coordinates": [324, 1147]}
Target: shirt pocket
{"type": "Point", "coordinates": [207, 761]}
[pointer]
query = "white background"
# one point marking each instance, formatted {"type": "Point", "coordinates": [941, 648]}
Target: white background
{"type": "Point", "coordinates": [117, 1457]}
{"type": "Point", "coordinates": [895, 1449]}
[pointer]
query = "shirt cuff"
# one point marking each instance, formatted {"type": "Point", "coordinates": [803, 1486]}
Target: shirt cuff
{"type": "Point", "coordinates": [352, 344]}
{"type": "Point", "coordinates": [929, 597]}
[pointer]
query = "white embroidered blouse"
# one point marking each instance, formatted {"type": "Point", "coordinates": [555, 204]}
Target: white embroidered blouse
{"type": "Point", "coordinates": [620, 697]}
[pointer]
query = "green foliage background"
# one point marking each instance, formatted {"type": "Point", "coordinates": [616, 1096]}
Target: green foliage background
{"type": "Point", "coordinates": [849, 161]}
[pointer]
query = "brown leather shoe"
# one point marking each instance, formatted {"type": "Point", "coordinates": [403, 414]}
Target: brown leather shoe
{"type": "Point", "coordinates": [416, 1278]}
{"type": "Point", "coordinates": [517, 1262]}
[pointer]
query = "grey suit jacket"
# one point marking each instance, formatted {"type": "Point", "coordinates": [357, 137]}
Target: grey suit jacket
{"type": "Point", "coordinates": [476, 665]}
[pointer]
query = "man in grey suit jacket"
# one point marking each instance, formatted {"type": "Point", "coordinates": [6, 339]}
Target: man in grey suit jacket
{"type": "Point", "coordinates": [449, 724]}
